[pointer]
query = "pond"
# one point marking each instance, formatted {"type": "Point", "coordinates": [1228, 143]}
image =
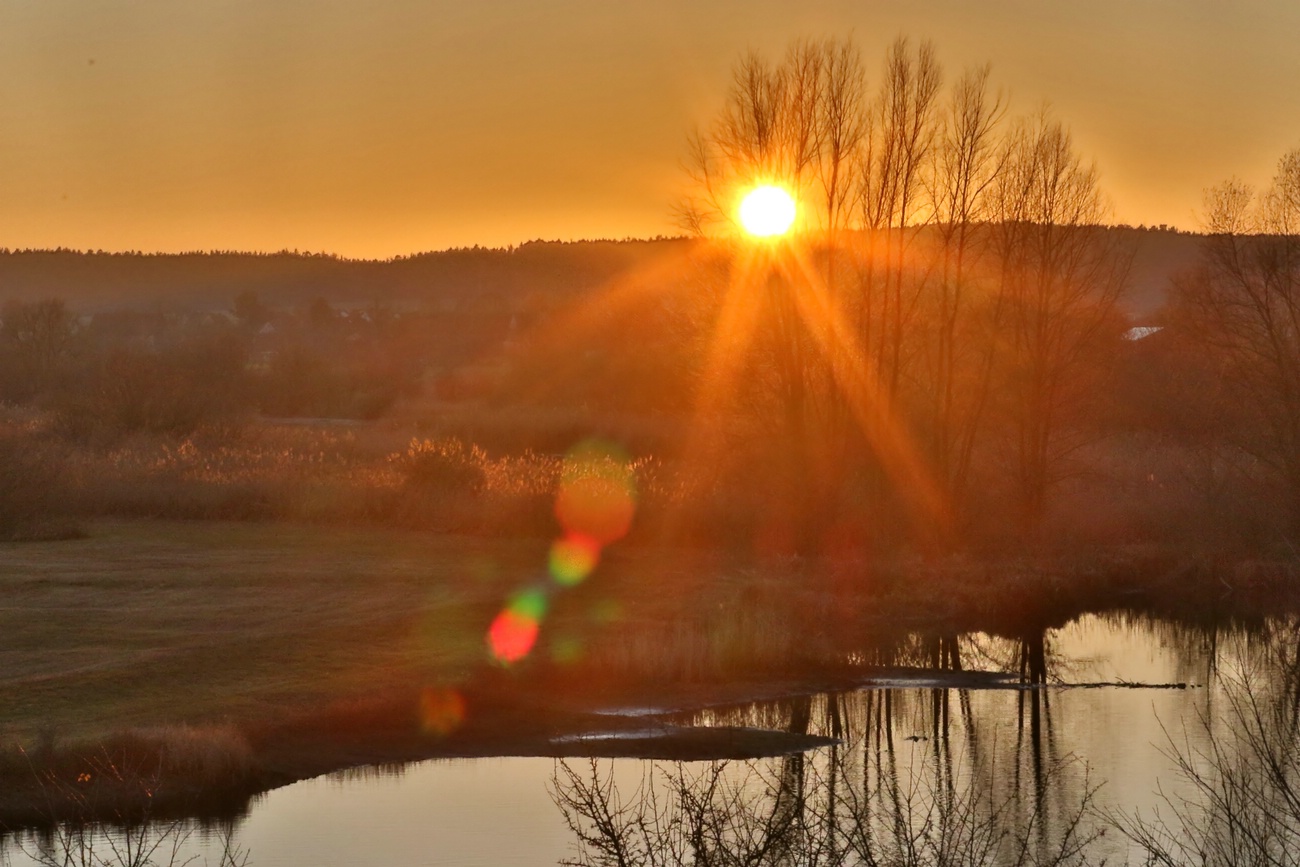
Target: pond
{"type": "Point", "coordinates": [1135, 712]}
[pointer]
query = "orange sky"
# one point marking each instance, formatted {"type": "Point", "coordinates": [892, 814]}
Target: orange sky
{"type": "Point", "coordinates": [393, 126]}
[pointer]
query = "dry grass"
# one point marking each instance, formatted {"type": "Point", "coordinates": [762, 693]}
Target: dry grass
{"type": "Point", "coordinates": [150, 623]}
{"type": "Point", "coordinates": [156, 623]}
{"type": "Point", "coordinates": [125, 779]}
{"type": "Point", "coordinates": [349, 477]}
{"type": "Point", "coordinates": [378, 475]}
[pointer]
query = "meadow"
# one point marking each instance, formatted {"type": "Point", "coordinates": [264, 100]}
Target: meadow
{"type": "Point", "coordinates": [147, 623]}
{"type": "Point", "coordinates": [193, 659]}
{"type": "Point", "coordinates": [191, 620]}
{"type": "Point", "coordinates": [163, 580]}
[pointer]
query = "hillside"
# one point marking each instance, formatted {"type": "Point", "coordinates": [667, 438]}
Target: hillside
{"type": "Point", "coordinates": [1158, 256]}
{"type": "Point", "coordinates": [93, 281]}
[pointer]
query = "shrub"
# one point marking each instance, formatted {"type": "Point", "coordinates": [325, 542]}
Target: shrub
{"type": "Point", "coordinates": [29, 478]}
{"type": "Point", "coordinates": [446, 466]}
{"type": "Point", "coordinates": [307, 382]}
{"type": "Point", "coordinates": [174, 392]}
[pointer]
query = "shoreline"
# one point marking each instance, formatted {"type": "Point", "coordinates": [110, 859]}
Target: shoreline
{"type": "Point", "coordinates": [141, 776]}
{"type": "Point", "coordinates": [229, 659]}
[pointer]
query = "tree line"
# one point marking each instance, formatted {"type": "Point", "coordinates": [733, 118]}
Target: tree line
{"type": "Point", "coordinates": [953, 283]}
{"type": "Point", "coordinates": [940, 351]}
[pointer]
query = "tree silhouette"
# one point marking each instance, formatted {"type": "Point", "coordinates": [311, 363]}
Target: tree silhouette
{"type": "Point", "coordinates": [38, 334]}
{"type": "Point", "coordinates": [1060, 280]}
{"type": "Point", "coordinates": [1243, 301]}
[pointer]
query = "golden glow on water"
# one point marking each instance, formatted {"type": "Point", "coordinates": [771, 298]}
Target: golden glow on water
{"type": "Point", "coordinates": [501, 810]}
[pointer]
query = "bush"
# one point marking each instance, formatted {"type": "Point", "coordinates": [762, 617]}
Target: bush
{"type": "Point", "coordinates": [175, 392]}
{"type": "Point", "coordinates": [29, 478]}
{"type": "Point", "coordinates": [304, 382]}
{"type": "Point", "coordinates": [446, 466]}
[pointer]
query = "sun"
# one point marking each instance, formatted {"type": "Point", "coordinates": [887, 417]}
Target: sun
{"type": "Point", "coordinates": [767, 211]}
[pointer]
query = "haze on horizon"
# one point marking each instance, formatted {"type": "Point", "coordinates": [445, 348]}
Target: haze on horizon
{"type": "Point", "coordinates": [396, 126]}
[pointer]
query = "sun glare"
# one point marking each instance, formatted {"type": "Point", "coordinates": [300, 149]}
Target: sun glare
{"type": "Point", "coordinates": [767, 212]}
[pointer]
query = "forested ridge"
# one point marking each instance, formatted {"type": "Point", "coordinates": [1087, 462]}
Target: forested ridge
{"type": "Point", "coordinates": [91, 281]}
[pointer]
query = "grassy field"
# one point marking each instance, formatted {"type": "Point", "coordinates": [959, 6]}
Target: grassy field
{"type": "Point", "coordinates": [150, 623]}
{"type": "Point", "coordinates": [205, 661]}
{"type": "Point", "coordinates": [213, 660]}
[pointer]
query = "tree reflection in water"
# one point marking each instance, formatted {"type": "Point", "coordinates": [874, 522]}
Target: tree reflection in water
{"type": "Point", "coordinates": [1242, 761]}
{"type": "Point", "coordinates": [874, 799]}
{"type": "Point", "coordinates": [156, 843]}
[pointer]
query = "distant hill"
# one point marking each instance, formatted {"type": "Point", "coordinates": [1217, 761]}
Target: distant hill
{"type": "Point", "coordinates": [1158, 255]}
{"type": "Point", "coordinates": [93, 281]}
{"type": "Point", "coordinates": [210, 281]}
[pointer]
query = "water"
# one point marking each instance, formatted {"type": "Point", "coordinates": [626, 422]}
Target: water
{"type": "Point", "coordinates": [979, 775]}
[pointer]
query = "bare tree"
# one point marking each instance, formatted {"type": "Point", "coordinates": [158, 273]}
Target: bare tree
{"type": "Point", "coordinates": [960, 344]}
{"type": "Point", "coordinates": [843, 121]}
{"type": "Point", "coordinates": [1244, 776]}
{"type": "Point", "coordinates": [39, 334]}
{"type": "Point", "coordinates": [797, 123]}
{"type": "Point", "coordinates": [899, 144]}
{"type": "Point", "coordinates": [1243, 300]}
{"type": "Point", "coordinates": [854, 806]}
{"type": "Point", "coordinates": [958, 260]}
{"type": "Point", "coordinates": [1060, 277]}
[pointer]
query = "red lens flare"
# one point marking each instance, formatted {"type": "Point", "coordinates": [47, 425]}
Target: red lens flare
{"type": "Point", "coordinates": [512, 635]}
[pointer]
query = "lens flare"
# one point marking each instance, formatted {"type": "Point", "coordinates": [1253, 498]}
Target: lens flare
{"type": "Point", "coordinates": [573, 558]}
{"type": "Point", "coordinates": [595, 504]}
{"type": "Point", "coordinates": [442, 711]}
{"type": "Point", "coordinates": [529, 603]}
{"type": "Point", "coordinates": [511, 636]}
{"type": "Point", "coordinates": [767, 212]}
{"type": "Point", "coordinates": [597, 495]}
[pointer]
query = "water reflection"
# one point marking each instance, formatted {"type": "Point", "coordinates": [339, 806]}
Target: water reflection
{"type": "Point", "coordinates": [922, 776]}
{"type": "Point", "coordinates": [1060, 768]}
{"type": "Point", "coordinates": [1244, 774]}
{"type": "Point", "coordinates": [857, 804]}
{"type": "Point", "coordinates": [140, 844]}
{"type": "Point", "coordinates": [947, 776]}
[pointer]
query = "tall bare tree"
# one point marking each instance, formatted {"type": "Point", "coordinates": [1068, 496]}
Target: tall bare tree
{"type": "Point", "coordinates": [1243, 300]}
{"type": "Point", "coordinates": [1060, 278]}
{"type": "Point", "coordinates": [899, 144]}
{"type": "Point", "coordinates": [843, 120]}
{"type": "Point", "coordinates": [969, 158]}
{"type": "Point", "coordinates": [962, 259]}
{"type": "Point", "coordinates": [797, 123]}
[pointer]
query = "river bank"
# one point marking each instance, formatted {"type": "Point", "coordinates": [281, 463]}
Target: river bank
{"type": "Point", "coordinates": [185, 667]}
